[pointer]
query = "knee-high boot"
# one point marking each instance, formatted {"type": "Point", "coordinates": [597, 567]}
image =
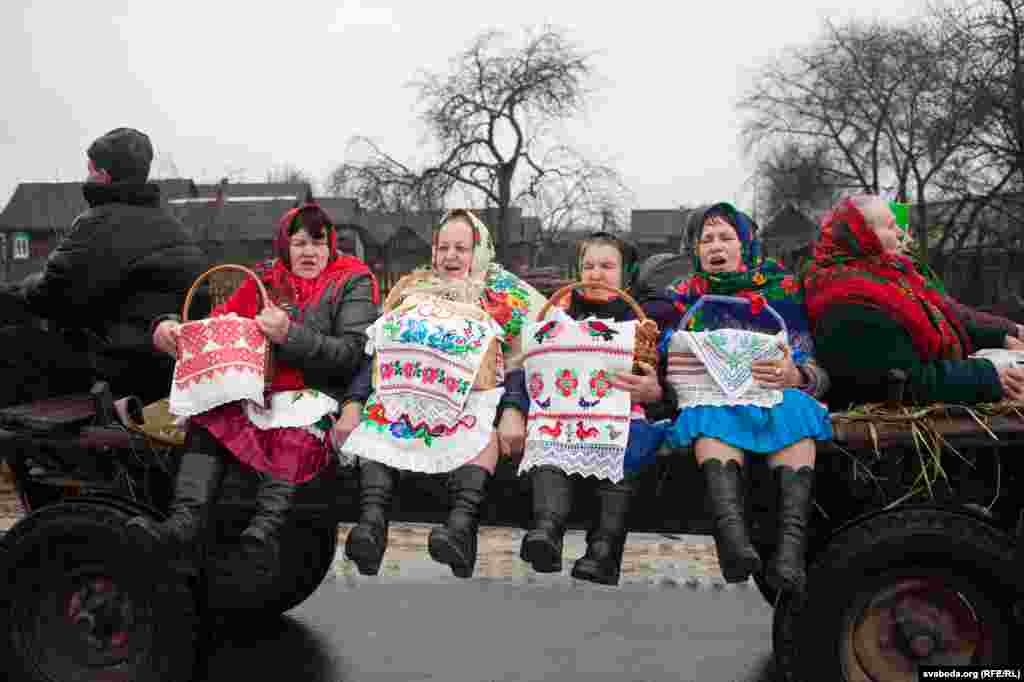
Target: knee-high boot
{"type": "Point", "coordinates": [369, 538]}
{"type": "Point", "coordinates": [736, 554]}
{"type": "Point", "coordinates": [261, 539]}
{"type": "Point", "coordinates": [454, 543]}
{"type": "Point", "coordinates": [787, 570]}
{"type": "Point", "coordinates": [606, 542]}
{"type": "Point", "coordinates": [552, 501]}
{"type": "Point", "coordinates": [196, 486]}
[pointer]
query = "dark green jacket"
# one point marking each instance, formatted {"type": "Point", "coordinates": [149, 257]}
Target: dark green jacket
{"type": "Point", "coordinates": [858, 345]}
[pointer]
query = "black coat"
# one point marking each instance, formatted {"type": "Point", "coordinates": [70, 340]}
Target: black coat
{"type": "Point", "coordinates": [125, 261]}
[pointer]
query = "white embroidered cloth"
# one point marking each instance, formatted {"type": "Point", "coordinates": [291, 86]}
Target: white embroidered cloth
{"type": "Point", "coordinates": [291, 409]}
{"type": "Point", "coordinates": [220, 360]}
{"type": "Point", "coordinates": [714, 368]}
{"type": "Point", "coordinates": [435, 450]}
{"type": "Point", "coordinates": [578, 421]}
{"type": "Point", "coordinates": [428, 357]}
{"type": "Point", "coordinates": [1001, 357]}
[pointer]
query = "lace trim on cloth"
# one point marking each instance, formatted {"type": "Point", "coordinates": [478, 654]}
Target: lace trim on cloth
{"type": "Point", "coordinates": [291, 409]}
{"type": "Point", "coordinates": [695, 385]}
{"type": "Point", "coordinates": [599, 461]}
{"type": "Point", "coordinates": [421, 447]}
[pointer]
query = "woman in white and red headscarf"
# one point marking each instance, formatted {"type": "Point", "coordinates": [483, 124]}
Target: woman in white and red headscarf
{"type": "Point", "coordinates": [321, 304]}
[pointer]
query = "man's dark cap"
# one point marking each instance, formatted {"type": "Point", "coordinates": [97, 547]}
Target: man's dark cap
{"type": "Point", "coordinates": [125, 153]}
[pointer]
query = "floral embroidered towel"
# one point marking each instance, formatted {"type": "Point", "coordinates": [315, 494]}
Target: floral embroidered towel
{"type": "Point", "coordinates": [428, 358]}
{"type": "Point", "coordinates": [577, 420]}
{"type": "Point", "coordinates": [727, 355]}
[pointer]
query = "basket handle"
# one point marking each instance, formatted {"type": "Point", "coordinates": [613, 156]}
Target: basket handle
{"type": "Point", "coordinates": [264, 298]}
{"type": "Point", "coordinates": [717, 298]}
{"type": "Point", "coordinates": [637, 310]}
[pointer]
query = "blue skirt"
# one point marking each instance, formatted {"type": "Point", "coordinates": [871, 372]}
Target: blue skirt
{"type": "Point", "coordinates": [644, 440]}
{"type": "Point", "coordinates": [763, 430]}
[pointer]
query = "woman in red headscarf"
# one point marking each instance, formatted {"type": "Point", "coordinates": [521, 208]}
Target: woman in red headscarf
{"type": "Point", "coordinates": [871, 311]}
{"type": "Point", "coordinates": [312, 288]}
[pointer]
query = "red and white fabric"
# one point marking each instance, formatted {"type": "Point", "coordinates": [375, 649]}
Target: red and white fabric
{"type": "Point", "coordinates": [578, 421]}
{"type": "Point", "coordinates": [220, 360]}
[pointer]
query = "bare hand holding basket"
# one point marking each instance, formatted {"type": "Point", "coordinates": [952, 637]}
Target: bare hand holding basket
{"type": "Point", "coordinates": [646, 345]}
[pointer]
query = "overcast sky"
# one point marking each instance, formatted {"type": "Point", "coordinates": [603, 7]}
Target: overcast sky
{"type": "Point", "coordinates": [225, 87]}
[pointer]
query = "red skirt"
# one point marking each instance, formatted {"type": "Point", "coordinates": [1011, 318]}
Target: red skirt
{"type": "Point", "coordinates": [288, 454]}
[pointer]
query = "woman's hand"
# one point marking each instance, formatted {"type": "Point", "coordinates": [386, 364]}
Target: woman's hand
{"type": "Point", "coordinates": [1013, 343]}
{"type": "Point", "coordinates": [1012, 381]}
{"type": "Point", "coordinates": [165, 336]}
{"type": "Point", "coordinates": [511, 432]}
{"type": "Point", "coordinates": [274, 322]}
{"type": "Point", "coordinates": [781, 373]}
{"type": "Point", "coordinates": [642, 389]}
{"type": "Point", "coordinates": [351, 414]}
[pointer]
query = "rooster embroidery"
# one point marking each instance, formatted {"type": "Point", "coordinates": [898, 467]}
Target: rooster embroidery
{"type": "Point", "coordinates": [545, 332]}
{"type": "Point", "coordinates": [601, 330]}
{"type": "Point", "coordinates": [553, 432]}
{"type": "Point", "coordinates": [586, 404]}
{"type": "Point", "coordinates": [583, 434]}
{"type": "Point", "coordinates": [544, 404]}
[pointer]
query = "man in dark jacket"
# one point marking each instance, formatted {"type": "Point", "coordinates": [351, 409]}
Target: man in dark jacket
{"type": "Point", "coordinates": [125, 261]}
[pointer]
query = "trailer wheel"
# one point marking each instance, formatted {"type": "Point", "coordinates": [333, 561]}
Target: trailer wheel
{"type": "Point", "coordinates": [915, 586]}
{"type": "Point", "coordinates": [307, 552]}
{"type": "Point", "coordinates": [76, 607]}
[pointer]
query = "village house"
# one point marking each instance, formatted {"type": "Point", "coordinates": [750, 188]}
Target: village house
{"type": "Point", "coordinates": [39, 213]}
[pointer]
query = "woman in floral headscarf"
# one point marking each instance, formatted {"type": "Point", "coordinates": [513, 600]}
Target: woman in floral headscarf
{"type": "Point", "coordinates": [873, 312]}
{"type": "Point", "coordinates": [462, 442]}
{"type": "Point", "coordinates": [607, 259]}
{"type": "Point", "coordinates": [321, 304]}
{"type": "Point", "coordinates": [784, 427]}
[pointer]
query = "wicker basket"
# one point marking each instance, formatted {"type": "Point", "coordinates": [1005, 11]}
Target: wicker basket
{"type": "Point", "coordinates": [491, 370]}
{"type": "Point", "coordinates": [647, 332]}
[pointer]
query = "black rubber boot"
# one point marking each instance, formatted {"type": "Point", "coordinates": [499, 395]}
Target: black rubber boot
{"type": "Point", "coordinates": [736, 555]}
{"type": "Point", "coordinates": [606, 542]}
{"type": "Point", "coordinates": [195, 488]}
{"type": "Point", "coordinates": [787, 571]}
{"type": "Point", "coordinates": [369, 538]}
{"type": "Point", "coordinates": [261, 539]}
{"type": "Point", "coordinates": [454, 543]}
{"type": "Point", "coordinates": [552, 501]}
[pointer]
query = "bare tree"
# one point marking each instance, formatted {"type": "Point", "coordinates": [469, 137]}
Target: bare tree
{"type": "Point", "coordinates": [492, 127]}
{"type": "Point", "coordinates": [794, 175]}
{"type": "Point", "coordinates": [289, 174]}
{"type": "Point", "coordinates": [875, 107]}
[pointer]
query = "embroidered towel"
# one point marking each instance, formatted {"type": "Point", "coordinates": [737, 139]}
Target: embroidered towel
{"type": "Point", "coordinates": [714, 368]}
{"type": "Point", "coordinates": [577, 420]}
{"type": "Point", "coordinates": [428, 357]}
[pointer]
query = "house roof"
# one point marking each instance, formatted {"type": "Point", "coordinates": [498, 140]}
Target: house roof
{"type": "Point", "coordinates": [241, 221]}
{"type": "Point", "coordinates": [44, 206]}
{"type": "Point", "coordinates": [296, 190]}
{"type": "Point", "coordinates": [656, 226]}
{"type": "Point", "coordinates": [341, 209]}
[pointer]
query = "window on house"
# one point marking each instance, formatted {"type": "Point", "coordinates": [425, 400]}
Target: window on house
{"type": "Point", "coordinates": [21, 250]}
{"type": "Point", "coordinates": [3, 248]}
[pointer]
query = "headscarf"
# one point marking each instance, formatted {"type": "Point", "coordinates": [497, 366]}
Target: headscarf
{"type": "Point", "coordinates": [761, 280]}
{"type": "Point", "coordinates": [850, 266]}
{"type": "Point", "coordinates": [291, 292]}
{"type": "Point", "coordinates": [509, 300]}
{"type": "Point", "coordinates": [578, 306]}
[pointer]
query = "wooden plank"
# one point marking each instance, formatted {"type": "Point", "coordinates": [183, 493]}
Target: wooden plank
{"type": "Point", "coordinates": [957, 430]}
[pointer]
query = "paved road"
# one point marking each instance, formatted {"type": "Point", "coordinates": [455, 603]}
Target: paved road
{"type": "Point", "coordinates": [482, 630]}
